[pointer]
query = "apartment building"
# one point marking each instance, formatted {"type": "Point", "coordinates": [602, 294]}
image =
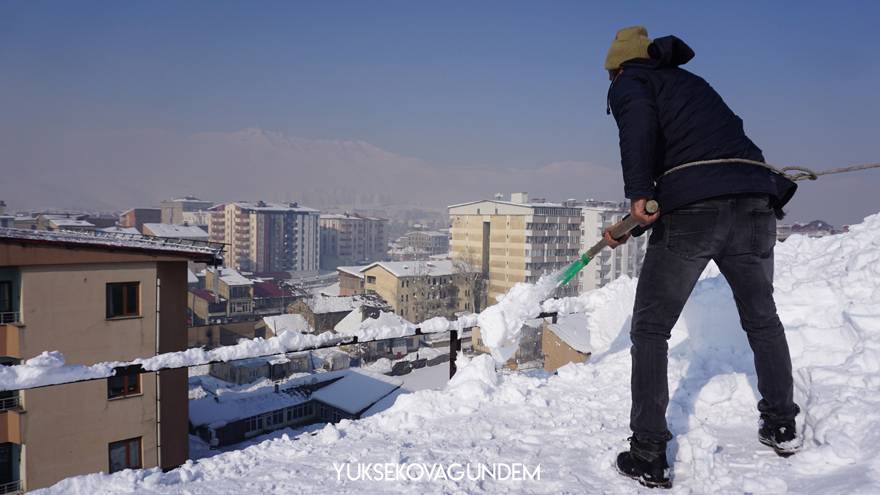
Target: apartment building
{"type": "Point", "coordinates": [348, 239]}
{"type": "Point", "coordinates": [610, 263]}
{"type": "Point", "coordinates": [94, 298]}
{"type": "Point", "coordinates": [419, 290]}
{"type": "Point", "coordinates": [136, 217]}
{"type": "Point", "coordinates": [188, 209]}
{"type": "Point", "coordinates": [267, 237]}
{"type": "Point", "coordinates": [515, 241]}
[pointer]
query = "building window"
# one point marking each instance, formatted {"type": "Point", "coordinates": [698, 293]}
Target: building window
{"type": "Point", "coordinates": [126, 382]}
{"type": "Point", "coordinates": [371, 279]}
{"type": "Point", "coordinates": [125, 455]}
{"type": "Point", "coordinates": [123, 299]}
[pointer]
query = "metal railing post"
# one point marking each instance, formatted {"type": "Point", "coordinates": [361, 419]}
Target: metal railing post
{"type": "Point", "coordinates": [454, 347]}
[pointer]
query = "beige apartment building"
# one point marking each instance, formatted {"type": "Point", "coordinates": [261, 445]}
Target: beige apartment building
{"type": "Point", "coordinates": [267, 237]}
{"type": "Point", "coordinates": [419, 290]}
{"type": "Point", "coordinates": [93, 299]}
{"type": "Point", "coordinates": [515, 241]}
{"type": "Point", "coordinates": [348, 239]}
{"type": "Point", "coordinates": [609, 264]}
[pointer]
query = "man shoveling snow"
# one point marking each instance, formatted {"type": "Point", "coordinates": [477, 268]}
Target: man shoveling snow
{"type": "Point", "coordinates": [724, 212]}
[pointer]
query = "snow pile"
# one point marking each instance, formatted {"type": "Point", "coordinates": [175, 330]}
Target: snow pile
{"type": "Point", "coordinates": [573, 423]}
{"type": "Point", "coordinates": [500, 324]}
{"type": "Point", "coordinates": [386, 326]}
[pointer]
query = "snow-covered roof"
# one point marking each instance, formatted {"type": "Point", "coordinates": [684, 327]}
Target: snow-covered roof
{"type": "Point", "coordinates": [433, 268]}
{"type": "Point", "coordinates": [231, 276]}
{"type": "Point", "coordinates": [250, 400]}
{"type": "Point", "coordinates": [114, 240]}
{"type": "Point", "coordinates": [176, 231]}
{"type": "Point", "coordinates": [69, 222]}
{"type": "Point", "coordinates": [121, 230]}
{"type": "Point", "coordinates": [273, 207]}
{"type": "Point", "coordinates": [321, 304]}
{"type": "Point", "coordinates": [574, 330]}
{"type": "Point", "coordinates": [352, 270]}
{"type": "Point", "coordinates": [357, 390]}
{"type": "Point", "coordinates": [287, 322]}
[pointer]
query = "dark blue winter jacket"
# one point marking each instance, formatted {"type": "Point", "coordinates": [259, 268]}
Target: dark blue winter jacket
{"type": "Point", "coordinates": [668, 116]}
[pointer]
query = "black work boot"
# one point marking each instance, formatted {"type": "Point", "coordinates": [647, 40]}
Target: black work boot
{"type": "Point", "coordinates": [780, 436]}
{"type": "Point", "coordinates": [645, 462]}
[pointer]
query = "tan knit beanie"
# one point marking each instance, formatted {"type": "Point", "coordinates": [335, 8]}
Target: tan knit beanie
{"type": "Point", "coordinates": [629, 43]}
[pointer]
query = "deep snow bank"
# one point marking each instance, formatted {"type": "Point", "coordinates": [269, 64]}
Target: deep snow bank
{"type": "Point", "coordinates": [573, 423]}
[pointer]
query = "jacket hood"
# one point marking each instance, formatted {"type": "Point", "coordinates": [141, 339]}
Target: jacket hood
{"type": "Point", "coordinates": [670, 51]}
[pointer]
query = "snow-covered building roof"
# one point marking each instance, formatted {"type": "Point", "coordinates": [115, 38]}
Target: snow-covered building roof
{"type": "Point", "coordinates": [231, 276]}
{"type": "Point", "coordinates": [234, 404]}
{"type": "Point", "coordinates": [573, 329]}
{"type": "Point", "coordinates": [62, 223]}
{"type": "Point", "coordinates": [321, 304]}
{"type": "Point", "coordinates": [433, 268]}
{"type": "Point", "coordinates": [175, 231]}
{"type": "Point", "coordinates": [354, 271]}
{"type": "Point", "coordinates": [357, 390]}
{"type": "Point", "coordinates": [195, 250]}
{"type": "Point", "coordinates": [121, 230]}
{"type": "Point", "coordinates": [287, 323]}
{"type": "Point", "coordinates": [274, 207]}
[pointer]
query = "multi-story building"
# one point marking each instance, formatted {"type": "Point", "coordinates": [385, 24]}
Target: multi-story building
{"type": "Point", "coordinates": [189, 209]}
{"type": "Point", "coordinates": [94, 299]}
{"type": "Point", "coordinates": [610, 263]}
{"type": "Point", "coordinates": [351, 280]}
{"type": "Point", "coordinates": [137, 217]}
{"type": "Point", "coordinates": [267, 237]}
{"type": "Point", "coordinates": [351, 239]}
{"type": "Point", "coordinates": [419, 290]}
{"type": "Point", "coordinates": [515, 241]}
{"type": "Point", "coordinates": [421, 244]}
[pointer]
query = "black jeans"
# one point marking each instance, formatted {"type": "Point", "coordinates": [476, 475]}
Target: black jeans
{"type": "Point", "coordinates": [739, 233]}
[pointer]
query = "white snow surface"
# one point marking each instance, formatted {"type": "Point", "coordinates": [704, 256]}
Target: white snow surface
{"type": "Point", "coordinates": [574, 423]}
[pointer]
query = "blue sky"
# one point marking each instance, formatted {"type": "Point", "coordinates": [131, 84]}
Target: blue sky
{"type": "Point", "coordinates": [500, 84]}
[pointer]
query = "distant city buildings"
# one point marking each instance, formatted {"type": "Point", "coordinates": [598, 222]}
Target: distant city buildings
{"type": "Point", "coordinates": [267, 237]}
{"type": "Point", "coordinates": [420, 245]}
{"type": "Point", "coordinates": [515, 241]}
{"type": "Point", "coordinates": [816, 228]}
{"type": "Point", "coordinates": [187, 210]}
{"type": "Point", "coordinates": [348, 239]}
{"type": "Point", "coordinates": [136, 217]}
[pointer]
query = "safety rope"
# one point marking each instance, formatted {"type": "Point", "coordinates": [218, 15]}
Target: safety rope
{"type": "Point", "coordinates": [791, 173]}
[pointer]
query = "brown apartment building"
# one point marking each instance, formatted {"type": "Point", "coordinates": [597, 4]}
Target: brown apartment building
{"type": "Point", "coordinates": [95, 299]}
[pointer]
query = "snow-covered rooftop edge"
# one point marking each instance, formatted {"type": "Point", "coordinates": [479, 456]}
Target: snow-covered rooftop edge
{"type": "Point", "coordinates": [573, 424]}
{"type": "Point", "coordinates": [49, 368]}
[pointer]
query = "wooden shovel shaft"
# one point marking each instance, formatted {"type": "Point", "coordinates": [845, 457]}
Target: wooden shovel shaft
{"type": "Point", "coordinates": [621, 229]}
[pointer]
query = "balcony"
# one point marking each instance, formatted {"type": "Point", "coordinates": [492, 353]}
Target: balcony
{"type": "Point", "coordinates": [11, 487]}
{"type": "Point", "coordinates": [10, 317]}
{"type": "Point", "coordinates": [12, 403]}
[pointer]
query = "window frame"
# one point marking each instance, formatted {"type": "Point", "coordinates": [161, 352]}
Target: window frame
{"type": "Point", "coordinates": [127, 445]}
{"type": "Point", "coordinates": [128, 371]}
{"type": "Point", "coordinates": [126, 309]}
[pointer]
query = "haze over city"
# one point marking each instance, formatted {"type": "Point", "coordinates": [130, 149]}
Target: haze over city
{"type": "Point", "coordinates": [349, 104]}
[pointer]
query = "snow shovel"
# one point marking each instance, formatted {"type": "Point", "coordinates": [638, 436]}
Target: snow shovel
{"type": "Point", "coordinates": [618, 230]}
